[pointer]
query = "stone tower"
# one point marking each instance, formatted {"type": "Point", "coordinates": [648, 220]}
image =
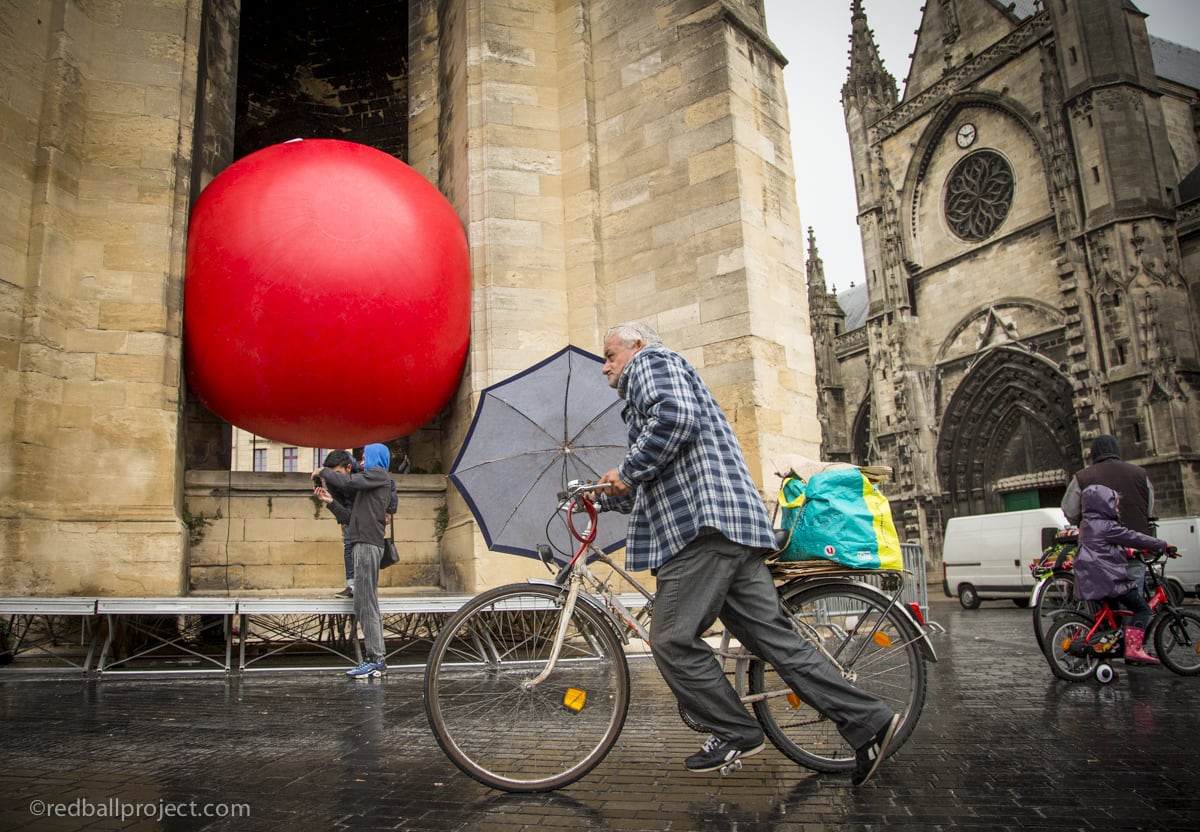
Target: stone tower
{"type": "Point", "coordinates": [828, 322]}
{"type": "Point", "coordinates": [1132, 328]}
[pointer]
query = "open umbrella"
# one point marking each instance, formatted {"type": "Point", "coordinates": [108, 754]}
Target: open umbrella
{"type": "Point", "coordinates": [533, 433]}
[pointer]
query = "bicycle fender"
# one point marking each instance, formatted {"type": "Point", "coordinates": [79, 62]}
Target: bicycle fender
{"type": "Point", "coordinates": [924, 642]}
{"type": "Point", "coordinates": [1038, 589]}
{"type": "Point", "coordinates": [591, 601]}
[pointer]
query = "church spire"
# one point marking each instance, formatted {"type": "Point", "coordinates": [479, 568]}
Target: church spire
{"type": "Point", "coordinates": [816, 270]}
{"type": "Point", "coordinates": [868, 85]}
{"type": "Point", "coordinates": [821, 301]}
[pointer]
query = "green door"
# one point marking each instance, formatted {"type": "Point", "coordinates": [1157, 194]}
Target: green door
{"type": "Point", "coordinates": [1021, 500]}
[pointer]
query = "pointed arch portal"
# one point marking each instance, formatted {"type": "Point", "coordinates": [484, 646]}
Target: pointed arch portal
{"type": "Point", "coordinates": [1010, 420]}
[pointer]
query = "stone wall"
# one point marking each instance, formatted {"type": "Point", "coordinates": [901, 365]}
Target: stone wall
{"type": "Point", "coordinates": [627, 160]}
{"type": "Point", "coordinates": [96, 107]}
{"type": "Point", "coordinates": [266, 533]}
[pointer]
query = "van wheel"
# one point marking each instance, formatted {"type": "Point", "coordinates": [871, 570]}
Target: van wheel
{"type": "Point", "coordinates": [1021, 602]}
{"type": "Point", "coordinates": [968, 597]}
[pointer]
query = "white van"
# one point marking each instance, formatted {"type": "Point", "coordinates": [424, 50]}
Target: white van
{"type": "Point", "coordinates": [1184, 533]}
{"type": "Point", "coordinates": [987, 556]}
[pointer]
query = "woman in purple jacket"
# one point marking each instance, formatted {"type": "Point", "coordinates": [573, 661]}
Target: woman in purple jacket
{"type": "Point", "coordinates": [1101, 565]}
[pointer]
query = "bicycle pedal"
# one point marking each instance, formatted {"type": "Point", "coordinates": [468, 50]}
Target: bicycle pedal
{"type": "Point", "coordinates": [730, 767]}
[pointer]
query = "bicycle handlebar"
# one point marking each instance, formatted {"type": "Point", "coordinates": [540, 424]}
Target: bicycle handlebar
{"type": "Point", "coordinates": [576, 498]}
{"type": "Point", "coordinates": [1152, 556]}
{"type": "Point", "coordinates": [575, 488]}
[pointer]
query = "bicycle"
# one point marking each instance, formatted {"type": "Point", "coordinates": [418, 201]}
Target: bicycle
{"type": "Point", "coordinates": [1080, 646]}
{"type": "Point", "coordinates": [527, 686]}
{"type": "Point", "coordinates": [1055, 588]}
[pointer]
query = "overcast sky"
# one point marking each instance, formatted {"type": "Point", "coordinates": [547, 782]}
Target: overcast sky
{"type": "Point", "coordinates": [814, 36]}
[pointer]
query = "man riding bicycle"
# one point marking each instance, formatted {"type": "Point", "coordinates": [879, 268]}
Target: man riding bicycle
{"type": "Point", "coordinates": [699, 524]}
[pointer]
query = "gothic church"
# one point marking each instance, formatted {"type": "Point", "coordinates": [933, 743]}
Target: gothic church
{"type": "Point", "coordinates": [1030, 221]}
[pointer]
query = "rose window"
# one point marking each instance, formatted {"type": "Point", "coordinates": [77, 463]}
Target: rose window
{"type": "Point", "coordinates": [979, 195]}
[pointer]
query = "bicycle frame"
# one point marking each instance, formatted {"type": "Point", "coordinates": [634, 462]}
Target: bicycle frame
{"type": "Point", "coordinates": [1106, 616]}
{"type": "Point", "coordinates": [581, 582]}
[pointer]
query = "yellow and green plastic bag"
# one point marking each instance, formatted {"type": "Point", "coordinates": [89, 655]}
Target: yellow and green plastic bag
{"type": "Point", "coordinates": [842, 516]}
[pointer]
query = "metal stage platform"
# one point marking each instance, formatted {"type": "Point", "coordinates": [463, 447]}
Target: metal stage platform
{"type": "Point", "coordinates": [109, 636]}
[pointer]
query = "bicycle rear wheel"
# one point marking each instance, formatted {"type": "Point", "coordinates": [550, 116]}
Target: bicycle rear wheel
{"type": "Point", "coordinates": [874, 646]}
{"type": "Point", "coordinates": [1055, 592]}
{"type": "Point", "coordinates": [1064, 633]}
{"type": "Point", "coordinates": [488, 718]}
{"type": "Point", "coordinates": [1177, 641]}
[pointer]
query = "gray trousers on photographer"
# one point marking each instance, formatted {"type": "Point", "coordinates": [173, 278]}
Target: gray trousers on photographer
{"type": "Point", "coordinates": [366, 598]}
{"type": "Point", "coordinates": [713, 577]}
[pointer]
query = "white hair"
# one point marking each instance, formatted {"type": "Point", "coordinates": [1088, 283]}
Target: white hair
{"type": "Point", "coordinates": [631, 332]}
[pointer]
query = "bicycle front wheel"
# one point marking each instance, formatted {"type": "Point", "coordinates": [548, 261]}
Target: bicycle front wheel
{"type": "Point", "coordinates": [872, 645]}
{"type": "Point", "coordinates": [491, 715]}
{"type": "Point", "coordinates": [1065, 651]}
{"type": "Point", "coordinates": [1177, 641]}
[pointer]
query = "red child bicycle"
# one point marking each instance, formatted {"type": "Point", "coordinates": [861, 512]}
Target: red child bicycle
{"type": "Point", "coordinates": [1079, 646]}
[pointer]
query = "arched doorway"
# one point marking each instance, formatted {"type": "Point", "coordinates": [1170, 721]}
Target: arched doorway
{"type": "Point", "coordinates": [1009, 429]}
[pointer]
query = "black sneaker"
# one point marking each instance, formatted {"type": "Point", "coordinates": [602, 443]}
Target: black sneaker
{"type": "Point", "coordinates": [345, 593]}
{"type": "Point", "coordinates": [868, 758]}
{"type": "Point", "coordinates": [718, 752]}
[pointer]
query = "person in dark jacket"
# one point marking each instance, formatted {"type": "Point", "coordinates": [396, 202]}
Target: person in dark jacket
{"type": "Point", "coordinates": [1127, 479]}
{"type": "Point", "coordinates": [339, 504]}
{"type": "Point", "coordinates": [372, 490]}
{"type": "Point", "coordinates": [1100, 565]}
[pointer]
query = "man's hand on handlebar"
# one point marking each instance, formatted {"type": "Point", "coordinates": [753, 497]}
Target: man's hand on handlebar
{"type": "Point", "coordinates": [616, 486]}
{"type": "Point", "coordinates": [1172, 551]}
{"type": "Point", "coordinates": [610, 482]}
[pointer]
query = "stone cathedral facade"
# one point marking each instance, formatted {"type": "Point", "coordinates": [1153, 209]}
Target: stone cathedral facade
{"type": "Point", "coordinates": [1030, 220]}
{"type": "Point", "coordinates": [609, 159]}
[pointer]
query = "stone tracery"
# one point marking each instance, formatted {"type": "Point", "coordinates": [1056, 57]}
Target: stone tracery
{"type": "Point", "coordinates": [979, 194]}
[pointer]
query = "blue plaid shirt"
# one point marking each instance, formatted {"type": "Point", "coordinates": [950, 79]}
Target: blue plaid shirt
{"type": "Point", "coordinates": [685, 467]}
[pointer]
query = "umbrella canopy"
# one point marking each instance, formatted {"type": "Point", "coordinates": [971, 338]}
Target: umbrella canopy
{"type": "Point", "coordinates": [532, 434]}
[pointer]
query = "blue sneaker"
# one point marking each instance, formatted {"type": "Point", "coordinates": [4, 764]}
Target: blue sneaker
{"type": "Point", "coordinates": [368, 670]}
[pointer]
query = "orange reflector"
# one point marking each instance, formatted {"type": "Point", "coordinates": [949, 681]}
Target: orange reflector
{"type": "Point", "coordinates": [882, 639]}
{"type": "Point", "coordinates": [794, 701]}
{"type": "Point", "coordinates": [1066, 644]}
{"type": "Point", "coordinates": [574, 699]}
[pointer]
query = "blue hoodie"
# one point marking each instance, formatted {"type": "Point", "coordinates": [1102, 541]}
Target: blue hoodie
{"type": "Point", "coordinates": [377, 456]}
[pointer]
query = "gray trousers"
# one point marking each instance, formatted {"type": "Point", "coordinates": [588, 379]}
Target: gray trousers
{"type": "Point", "coordinates": [366, 598]}
{"type": "Point", "coordinates": [713, 577]}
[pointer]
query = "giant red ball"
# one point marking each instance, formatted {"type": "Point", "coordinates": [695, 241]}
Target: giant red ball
{"type": "Point", "coordinates": [327, 295]}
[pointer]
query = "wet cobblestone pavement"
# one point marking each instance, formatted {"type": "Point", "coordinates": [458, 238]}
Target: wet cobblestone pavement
{"type": "Point", "coordinates": [1002, 745]}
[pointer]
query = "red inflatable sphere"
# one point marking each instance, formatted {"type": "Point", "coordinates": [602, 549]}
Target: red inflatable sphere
{"type": "Point", "coordinates": [327, 296]}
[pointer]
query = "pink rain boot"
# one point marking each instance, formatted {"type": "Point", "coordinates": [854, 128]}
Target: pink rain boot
{"type": "Point", "coordinates": [1133, 647]}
